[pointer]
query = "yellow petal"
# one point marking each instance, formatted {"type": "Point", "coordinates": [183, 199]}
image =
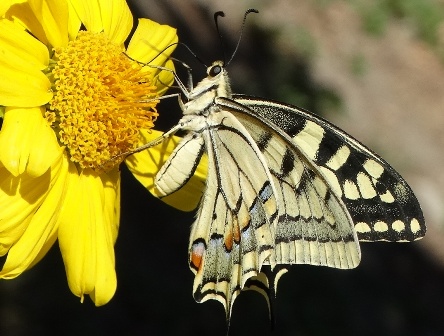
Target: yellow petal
{"type": "Point", "coordinates": [5, 5]}
{"type": "Point", "coordinates": [23, 57]}
{"type": "Point", "coordinates": [27, 142]}
{"type": "Point", "coordinates": [117, 20]}
{"type": "Point", "coordinates": [40, 229]}
{"type": "Point", "coordinates": [23, 86]}
{"type": "Point", "coordinates": [86, 236]}
{"type": "Point", "coordinates": [74, 22]}
{"type": "Point", "coordinates": [53, 16]}
{"type": "Point", "coordinates": [19, 47]}
{"type": "Point", "coordinates": [146, 164]}
{"type": "Point", "coordinates": [148, 46]}
{"type": "Point", "coordinates": [20, 198]}
{"type": "Point", "coordinates": [150, 39]}
{"type": "Point", "coordinates": [22, 83]}
{"type": "Point", "coordinates": [20, 12]}
{"type": "Point", "coordinates": [89, 14]}
{"type": "Point", "coordinates": [111, 183]}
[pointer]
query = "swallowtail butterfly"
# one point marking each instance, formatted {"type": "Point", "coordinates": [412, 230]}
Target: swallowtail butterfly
{"type": "Point", "coordinates": [283, 187]}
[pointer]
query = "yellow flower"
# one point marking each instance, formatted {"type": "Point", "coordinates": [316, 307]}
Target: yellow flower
{"type": "Point", "coordinates": [72, 98]}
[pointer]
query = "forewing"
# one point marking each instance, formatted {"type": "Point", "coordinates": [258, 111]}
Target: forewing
{"type": "Point", "coordinates": [379, 201]}
{"type": "Point", "coordinates": [314, 226]}
{"type": "Point", "coordinates": [233, 233]}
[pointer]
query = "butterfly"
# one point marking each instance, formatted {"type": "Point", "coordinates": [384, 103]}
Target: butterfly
{"type": "Point", "coordinates": [283, 187]}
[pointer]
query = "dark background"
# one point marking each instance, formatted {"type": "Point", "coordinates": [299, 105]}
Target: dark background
{"type": "Point", "coordinates": [398, 289]}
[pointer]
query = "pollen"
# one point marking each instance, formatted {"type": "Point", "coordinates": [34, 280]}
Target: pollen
{"type": "Point", "coordinates": [101, 100]}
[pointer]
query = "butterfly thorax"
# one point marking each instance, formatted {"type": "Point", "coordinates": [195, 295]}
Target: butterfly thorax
{"type": "Point", "coordinates": [201, 98]}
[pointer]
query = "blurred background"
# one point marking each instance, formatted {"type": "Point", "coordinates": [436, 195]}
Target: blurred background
{"type": "Point", "coordinates": [375, 69]}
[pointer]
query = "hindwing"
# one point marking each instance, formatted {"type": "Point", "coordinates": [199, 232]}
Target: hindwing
{"type": "Point", "coordinates": [233, 234]}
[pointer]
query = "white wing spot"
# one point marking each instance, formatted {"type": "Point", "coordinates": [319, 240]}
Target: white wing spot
{"type": "Point", "coordinates": [381, 227]}
{"type": "Point", "coordinates": [373, 168]}
{"type": "Point", "coordinates": [387, 197]}
{"type": "Point", "coordinates": [339, 158]}
{"type": "Point", "coordinates": [414, 225]}
{"type": "Point", "coordinates": [398, 226]}
{"type": "Point", "coordinates": [309, 139]}
{"type": "Point", "coordinates": [332, 180]}
{"type": "Point", "coordinates": [365, 186]}
{"type": "Point", "coordinates": [362, 227]}
{"type": "Point", "coordinates": [351, 190]}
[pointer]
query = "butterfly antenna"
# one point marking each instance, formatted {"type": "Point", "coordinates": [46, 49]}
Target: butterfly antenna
{"type": "Point", "coordinates": [251, 10]}
{"type": "Point", "coordinates": [221, 40]}
{"type": "Point", "coordinates": [186, 66]}
{"type": "Point", "coordinates": [189, 71]}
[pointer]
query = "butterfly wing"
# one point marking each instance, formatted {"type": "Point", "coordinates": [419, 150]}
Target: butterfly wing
{"type": "Point", "coordinates": [380, 202]}
{"type": "Point", "coordinates": [233, 235]}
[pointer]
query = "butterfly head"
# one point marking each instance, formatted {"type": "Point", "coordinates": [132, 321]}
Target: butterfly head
{"type": "Point", "coordinates": [217, 74]}
{"type": "Point", "coordinates": [202, 97]}
{"type": "Point", "coordinates": [215, 69]}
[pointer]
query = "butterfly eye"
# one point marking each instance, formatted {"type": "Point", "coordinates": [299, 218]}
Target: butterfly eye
{"type": "Point", "coordinates": [215, 70]}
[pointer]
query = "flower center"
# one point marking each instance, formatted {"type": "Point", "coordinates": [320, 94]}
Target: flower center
{"type": "Point", "coordinates": [101, 100]}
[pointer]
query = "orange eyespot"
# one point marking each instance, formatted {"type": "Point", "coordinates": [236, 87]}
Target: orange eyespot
{"type": "Point", "coordinates": [197, 251]}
